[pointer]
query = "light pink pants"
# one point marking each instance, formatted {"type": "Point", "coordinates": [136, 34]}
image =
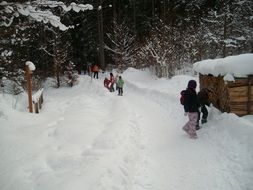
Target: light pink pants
{"type": "Point", "coordinates": [190, 126]}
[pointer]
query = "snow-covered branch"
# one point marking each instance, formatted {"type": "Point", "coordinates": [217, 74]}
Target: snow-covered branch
{"type": "Point", "coordinates": [47, 52]}
{"type": "Point", "coordinates": [32, 10]}
{"type": "Point", "coordinates": [112, 50]}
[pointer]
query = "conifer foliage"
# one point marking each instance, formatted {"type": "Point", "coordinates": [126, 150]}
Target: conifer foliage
{"type": "Point", "coordinates": [163, 35]}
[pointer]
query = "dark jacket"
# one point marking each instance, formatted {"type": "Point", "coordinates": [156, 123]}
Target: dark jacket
{"type": "Point", "coordinates": [191, 103]}
{"type": "Point", "coordinates": [203, 97]}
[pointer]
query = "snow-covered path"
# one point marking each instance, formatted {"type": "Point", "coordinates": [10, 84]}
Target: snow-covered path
{"type": "Point", "coordinates": [89, 138]}
{"type": "Point", "coordinates": [169, 160]}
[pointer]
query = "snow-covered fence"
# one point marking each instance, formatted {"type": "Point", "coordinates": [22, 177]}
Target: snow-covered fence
{"type": "Point", "coordinates": [37, 100]}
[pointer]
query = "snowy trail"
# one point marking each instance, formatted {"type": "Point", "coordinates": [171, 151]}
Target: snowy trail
{"type": "Point", "coordinates": [89, 160]}
{"type": "Point", "coordinates": [89, 138]}
{"type": "Point", "coordinates": [169, 158]}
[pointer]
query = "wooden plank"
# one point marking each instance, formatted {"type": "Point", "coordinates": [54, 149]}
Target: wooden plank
{"type": "Point", "coordinates": [238, 109]}
{"type": "Point", "coordinates": [236, 84]}
{"type": "Point", "coordinates": [240, 103]}
{"type": "Point", "coordinates": [240, 92]}
{"type": "Point", "coordinates": [241, 107]}
{"type": "Point", "coordinates": [241, 88]}
{"type": "Point", "coordinates": [239, 82]}
{"type": "Point", "coordinates": [249, 94]}
{"type": "Point", "coordinates": [244, 79]}
{"type": "Point", "coordinates": [239, 112]}
{"type": "Point", "coordinates": [238, 99]}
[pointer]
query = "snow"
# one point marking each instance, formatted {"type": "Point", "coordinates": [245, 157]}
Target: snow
{"type": "Point", "coordinates": [229, 77]}
{"type": "Point", "coordinates": [36, 96]}
{"type": "Point", "coordinates": [30, 65]}
{"type": "Point", "coordinates": [6, 53]}
{"type": "Point", "coordinates": [237, 66]}
{"type": "Point", "coordinates": [3, 3]}
{"type": "Point", "coordinates": [88, 138]}
{"type": "Point", "coordinates": [33, 10]}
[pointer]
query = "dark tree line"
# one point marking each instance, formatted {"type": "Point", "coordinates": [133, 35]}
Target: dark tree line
{"type": "Point", "coordinates": [163, 35]}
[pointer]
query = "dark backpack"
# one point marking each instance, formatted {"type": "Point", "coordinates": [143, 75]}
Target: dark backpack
{"type": "Point", "coordinates": [182, 98]}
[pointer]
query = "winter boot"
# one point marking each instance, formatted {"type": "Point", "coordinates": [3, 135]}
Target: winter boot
{"type": "Point", "coordinates": [203, 120]}
{"type": "Point", "coordinates": [197, 127]}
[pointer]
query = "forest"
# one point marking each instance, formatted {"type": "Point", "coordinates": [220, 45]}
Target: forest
{"type": "Point", "coordinates": [163, 35]}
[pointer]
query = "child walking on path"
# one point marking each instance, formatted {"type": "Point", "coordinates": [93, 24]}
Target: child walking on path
{"type": "Point", "coordinates": [204, 101]}
{"type": "Point", "coordinates": [112, 80]}
{"type": "Point", "coordinates": [95, 70]}
{"type": "Point", "coordinates": [120, 84]}
{"type": "Point", "coordinates": [191, 106]}
{"type": "Point", "coordinates": [116, 81]}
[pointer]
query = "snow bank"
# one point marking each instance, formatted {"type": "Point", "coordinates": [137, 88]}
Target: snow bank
{"type": "Point", "coordinates": [145, 80]}
{"type": "Point", "coordinates": [237, 66]}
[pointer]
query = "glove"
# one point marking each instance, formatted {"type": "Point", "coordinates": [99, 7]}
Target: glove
{"type": "Point", "coordinates": [185, 113]}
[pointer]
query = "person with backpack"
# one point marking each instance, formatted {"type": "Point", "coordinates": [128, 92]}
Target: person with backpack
{"type": "Point", "coordinates": [191, 108]}
{"type": "Point", "coordinates": [106, 83]}
{"type": "Point", "coordinates": [204, 101]}
{"type": "Point", "coordinates": [120, 84]}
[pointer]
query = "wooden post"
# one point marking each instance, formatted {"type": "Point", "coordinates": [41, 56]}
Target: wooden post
{"type": "Point", "coordinates": [29, 88]}
{"type": "Point", "coordinates": [101, 35]}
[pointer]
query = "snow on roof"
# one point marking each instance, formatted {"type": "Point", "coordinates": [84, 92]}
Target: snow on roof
{"type": "Point", "coordinates": [237, 66]}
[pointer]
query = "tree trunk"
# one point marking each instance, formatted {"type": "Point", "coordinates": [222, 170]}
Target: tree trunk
{"type": "Point", "coordinates": [101, 36]}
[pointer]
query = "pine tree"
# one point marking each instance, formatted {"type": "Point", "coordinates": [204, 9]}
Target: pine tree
{"type": "Point", "coordinates": [122, 45]}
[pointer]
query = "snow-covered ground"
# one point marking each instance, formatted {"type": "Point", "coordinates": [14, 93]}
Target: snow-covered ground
{"type": "Point", "coordinates": [87, 138]}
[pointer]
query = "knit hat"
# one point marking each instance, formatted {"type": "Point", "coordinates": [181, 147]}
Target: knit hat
{"type": "Point", "coordinates": [192, 84]}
